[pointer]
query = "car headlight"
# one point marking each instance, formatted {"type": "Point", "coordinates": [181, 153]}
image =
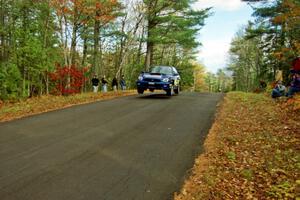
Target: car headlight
{"type": "Point", "coordinates": [166, 80]}
{"type": "Point", "coordinates": [140, 77]}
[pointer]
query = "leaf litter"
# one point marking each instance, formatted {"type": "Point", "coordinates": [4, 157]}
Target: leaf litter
{"type": "Point", "coordinates": [251, 152]}
{"type": "Point", "coordinates": [32, 106]}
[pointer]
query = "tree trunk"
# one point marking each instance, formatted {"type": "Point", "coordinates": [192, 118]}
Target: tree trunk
{"type": "Point", "coordinates": [162, 54]}
{"type": "Point", "coordinates": [47, 83]}
{"type": "Point", "coordinates": [2, 38]}
{"type": "Point", "coordinates": [45, 42]}
{"type": "Point", "coordinates": [123, 50]}
{"type": "Point", "coordinates": [173, 57]}
{"type": "Point", "coordinates": [22, 43]}
{"type": "Point", "coordinates": [149, 55]}
{"type": "Point", "coordinates": [101, 69]}
{"type": "Point", "coordinates": [96, 47]}
{"type": "Point", "coordinates": [66, 46]}
{"type": "Point", "coordinates": [150, 43]}
{"type": "Point", "coordinates": [139, 53]}
{"type": "Point", "coordinates": [64, 38]}
{"type": "Point", "coordinates": [73, 44]}
{"type": "Point", "coordinates": [74, 35]}
{"type": "Point", "coordinates": [85, 46]}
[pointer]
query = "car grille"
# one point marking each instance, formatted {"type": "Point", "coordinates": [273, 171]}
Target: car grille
{"type": "Point", "coordinates": [152, 80]}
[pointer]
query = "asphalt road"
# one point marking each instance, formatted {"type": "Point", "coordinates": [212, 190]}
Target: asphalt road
{"type": "Point", "coordinates": [131, 148]}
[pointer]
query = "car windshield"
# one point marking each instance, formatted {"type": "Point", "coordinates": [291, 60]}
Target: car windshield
{"type": "Point", "coordinates": [161, 70]}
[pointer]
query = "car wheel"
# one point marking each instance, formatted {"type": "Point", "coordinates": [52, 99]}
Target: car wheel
{"type": "Point", "coordinates": [176, 90]}
{"type": "Point", "coordinates": [169, 92]}
{"type": "Point", "coordinates": [151, 90]}
{"type": "Point", "coordinates": [140, 91]}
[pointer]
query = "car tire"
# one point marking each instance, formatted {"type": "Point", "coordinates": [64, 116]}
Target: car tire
{"type": "Point", "coordinates": [151, 90]}
{"type": "Point", "coordinates": [176, 90]}
{"type": "Point", "coordinates": [140, 91]}
{"type": "Point", "coordinates": [169, 92]}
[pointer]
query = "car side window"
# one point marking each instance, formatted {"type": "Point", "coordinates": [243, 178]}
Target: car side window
{"type": "Point", "coordinates": [174, 71]}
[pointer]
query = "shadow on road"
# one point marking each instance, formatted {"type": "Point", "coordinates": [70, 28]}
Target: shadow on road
{"type": "Point", "coordinates": [154, 96]}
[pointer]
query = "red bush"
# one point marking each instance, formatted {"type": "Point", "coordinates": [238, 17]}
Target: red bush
{"type": "Point", "coordinates": [68, 79]}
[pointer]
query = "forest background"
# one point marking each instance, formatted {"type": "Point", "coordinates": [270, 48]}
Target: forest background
{"type": "Point", "coordinates": [56, 46]}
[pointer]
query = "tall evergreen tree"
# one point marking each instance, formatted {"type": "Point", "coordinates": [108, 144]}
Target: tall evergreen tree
{"type": "Point", "coordinates": [171, 22]}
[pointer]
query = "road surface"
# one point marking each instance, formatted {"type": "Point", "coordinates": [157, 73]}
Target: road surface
{"type": "Point", "coordinates": [131, 148]}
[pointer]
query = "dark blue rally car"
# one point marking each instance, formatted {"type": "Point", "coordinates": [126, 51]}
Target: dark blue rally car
{"type": "Point", "coordinates": [159, 78]}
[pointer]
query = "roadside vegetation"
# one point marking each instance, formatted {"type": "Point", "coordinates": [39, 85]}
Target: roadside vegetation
{"type": "Point", "coordinates": [56, 47]}
{"type": "Point", "coordinates": [252, 151]}
{"type": "Point", "coordinates": [267, 45]}
{"type": "Point", "coordinates": [36, 105]}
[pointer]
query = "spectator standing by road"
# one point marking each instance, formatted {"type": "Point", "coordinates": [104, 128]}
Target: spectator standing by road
{"type": "Point", "coordinates": [123, 83]}
{"type": "Point", "coordinates": [114, 84]}
{"type": "Point", "coordinates": [104, 84]}
{"type": "Point", "coordinates": [95, 83]}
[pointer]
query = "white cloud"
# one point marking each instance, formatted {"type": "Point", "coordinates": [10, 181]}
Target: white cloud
{"type": "Point", "coordinates": [213, 54]}
{"type": "Point", "coordinates": [228, 5]}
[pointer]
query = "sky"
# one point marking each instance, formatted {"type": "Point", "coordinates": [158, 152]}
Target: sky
{"type": "Point", "coordinates": [228, 17]}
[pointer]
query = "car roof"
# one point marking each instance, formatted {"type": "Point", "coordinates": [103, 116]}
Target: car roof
{"type": "Point", "coordinates": [161, 66]}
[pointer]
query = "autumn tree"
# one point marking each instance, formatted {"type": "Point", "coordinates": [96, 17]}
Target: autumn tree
{"type": "Point", "coordinates": [103, 36]}
{"type": "Point", "coordinates": [277, 29]}
{"type": "Point", "coordinates": [199, 77]}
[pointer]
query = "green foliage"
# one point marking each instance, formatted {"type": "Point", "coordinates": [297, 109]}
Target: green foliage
{"type": "Point", "coordinates": [247, 174]}
{"type": "Point", "coordinates": [172, 23]}
{"type": "Point", "coordinates": [132, 72]}
{"type": "Point", "coordinates": [30, 44]}
{"type": "Point", "coordinates": [219, 82]}
{"type": "Point", "coordinates": [10, 79]}
{"type": "Point", "coordinates": [99, 34]}
{"type": "Point", "coordinates": [180, 27]}
{"type": "Point", "coordinates": [186, 71]}
{"type": "Point", "coordinates": [246, 62]}
{"type": "Point", "coordinates": [284, 190]}
{"type": "Point", "coordinates": [231, 155]}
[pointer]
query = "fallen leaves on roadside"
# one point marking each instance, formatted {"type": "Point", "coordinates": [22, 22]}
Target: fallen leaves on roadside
{"type": "Point", "coordinates": [252, 151]}
{"type": "Point", "coordinates": [36, 105]}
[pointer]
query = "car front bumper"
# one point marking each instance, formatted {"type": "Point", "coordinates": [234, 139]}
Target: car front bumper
{"type": "Point", "coordinates": [153, 85]}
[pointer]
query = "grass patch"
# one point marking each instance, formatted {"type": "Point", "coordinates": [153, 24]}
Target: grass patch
{"type": "Point", "coordinates": [253, 151]}
{"type": "Point", "coordinates": [247, 174]}
{"type": "Point", "coordinates": [231, 155]}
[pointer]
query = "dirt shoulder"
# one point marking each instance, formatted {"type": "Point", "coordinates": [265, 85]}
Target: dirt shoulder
{"type": "Point", "coordinates": [33, 106]}
{"type": "Point", "coordinates": [252, 152]}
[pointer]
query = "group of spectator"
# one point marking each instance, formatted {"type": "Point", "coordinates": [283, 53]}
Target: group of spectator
{"type": "Point", "coordinates": [104, 83]}
{"type": "Point", "coordinates": [294, 86]}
